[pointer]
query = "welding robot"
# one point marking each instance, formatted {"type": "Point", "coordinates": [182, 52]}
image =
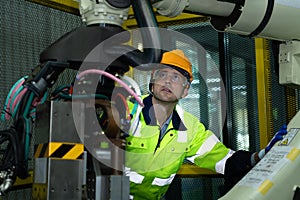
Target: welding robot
{"type": "Point", "coordinates": [63, 168]}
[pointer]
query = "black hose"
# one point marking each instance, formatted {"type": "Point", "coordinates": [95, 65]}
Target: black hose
{"type": "Point", "coordinates": [20, 129]}
{"type": "Point", "coordinates": [11, 154]}
{"type": "Point", "coordinates": [146, 20]}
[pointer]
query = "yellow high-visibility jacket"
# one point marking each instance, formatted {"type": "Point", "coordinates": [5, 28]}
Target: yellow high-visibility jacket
{"type": "Point", "coordinates": [151, 164]}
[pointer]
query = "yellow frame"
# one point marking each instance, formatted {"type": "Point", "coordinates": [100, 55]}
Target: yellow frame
{"type": "Point", "coordinates": [264, 94]}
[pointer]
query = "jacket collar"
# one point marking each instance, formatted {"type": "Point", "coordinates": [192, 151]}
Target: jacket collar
{"type": "Point", "coordinates": [150, 119]}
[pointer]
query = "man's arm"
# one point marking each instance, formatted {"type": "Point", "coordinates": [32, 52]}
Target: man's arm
{"type": "Point", "coordinates": [241, 162]}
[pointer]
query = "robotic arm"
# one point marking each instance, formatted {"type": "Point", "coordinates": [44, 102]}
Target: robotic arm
{"type": "Point", "coordinates": [253, 18]}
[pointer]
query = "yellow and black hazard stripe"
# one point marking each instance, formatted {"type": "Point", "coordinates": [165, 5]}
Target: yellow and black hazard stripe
{"type": "Point", "coordinates": [70, 151]}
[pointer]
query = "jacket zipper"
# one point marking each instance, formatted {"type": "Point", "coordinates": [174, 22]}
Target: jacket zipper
{"type": "Point", "coordinates": [159, 140]}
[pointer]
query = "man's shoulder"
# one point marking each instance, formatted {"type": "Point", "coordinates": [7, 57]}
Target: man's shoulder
{"type": "Point", "coordinates": [186, 114]}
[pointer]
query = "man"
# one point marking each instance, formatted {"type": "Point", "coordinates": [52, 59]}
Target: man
{"type": "Point", "coordinates": [163, 135]}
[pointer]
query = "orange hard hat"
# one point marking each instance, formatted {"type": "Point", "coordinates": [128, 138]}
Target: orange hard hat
{"type": "Point", "coordinates": [177, 59]}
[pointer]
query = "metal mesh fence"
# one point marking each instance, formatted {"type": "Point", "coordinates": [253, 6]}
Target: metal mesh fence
{"type": "Point", "coordinates": [195, 188]}
{"type": "Point", "coordinates": [26, 30]}
{"type": "Point", "coordinates": [240, 59]}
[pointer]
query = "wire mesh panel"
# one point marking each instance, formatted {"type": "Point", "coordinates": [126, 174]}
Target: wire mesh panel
{"type": "Point", "coordinates": [195, 188]}
{"type": "Point", "coordinates": [26, 29]}
{"type": "Point", "coordinates": [243, 95]}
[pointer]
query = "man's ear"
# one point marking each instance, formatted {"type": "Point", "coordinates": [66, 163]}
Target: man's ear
{"type": "Point", "coordinates": [185, 91]}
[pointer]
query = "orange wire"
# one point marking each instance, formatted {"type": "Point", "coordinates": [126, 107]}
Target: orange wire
{"type": "Point", "coordinates": [124, 103]}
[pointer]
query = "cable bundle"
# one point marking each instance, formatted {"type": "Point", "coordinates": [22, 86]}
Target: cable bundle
{"type": "Point", "coordinates": [14, 98]}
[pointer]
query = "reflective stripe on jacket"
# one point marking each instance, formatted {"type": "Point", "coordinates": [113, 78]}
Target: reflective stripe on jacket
{"type": "Point", "coordinates": [152, 164]}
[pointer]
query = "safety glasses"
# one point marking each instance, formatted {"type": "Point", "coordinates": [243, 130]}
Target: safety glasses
{"type": "Point", "coordinates": [175, 77]}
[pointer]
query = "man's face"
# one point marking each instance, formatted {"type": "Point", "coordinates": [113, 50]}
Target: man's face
{"type": "Point", "coordinates": [169, 85]}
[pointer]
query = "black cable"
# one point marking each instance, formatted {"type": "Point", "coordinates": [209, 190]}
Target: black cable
{"type": "Point", "coordinates": [10, 155]}
{"type": "Point", "coordinates": [147, 22]}
{"type": "Point", "coordinates": [265, 19]}
{"type": "Point", "coordinates": [22, 105]}
{"type": "Point", "coordinates": [21, 133]}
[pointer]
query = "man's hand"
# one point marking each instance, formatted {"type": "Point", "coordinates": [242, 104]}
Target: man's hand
{"type": "Point", "coordinates": [277, 137]}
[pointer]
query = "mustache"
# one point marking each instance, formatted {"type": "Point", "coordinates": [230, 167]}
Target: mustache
{"type": "Point", "coordinates": [166, 88]}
